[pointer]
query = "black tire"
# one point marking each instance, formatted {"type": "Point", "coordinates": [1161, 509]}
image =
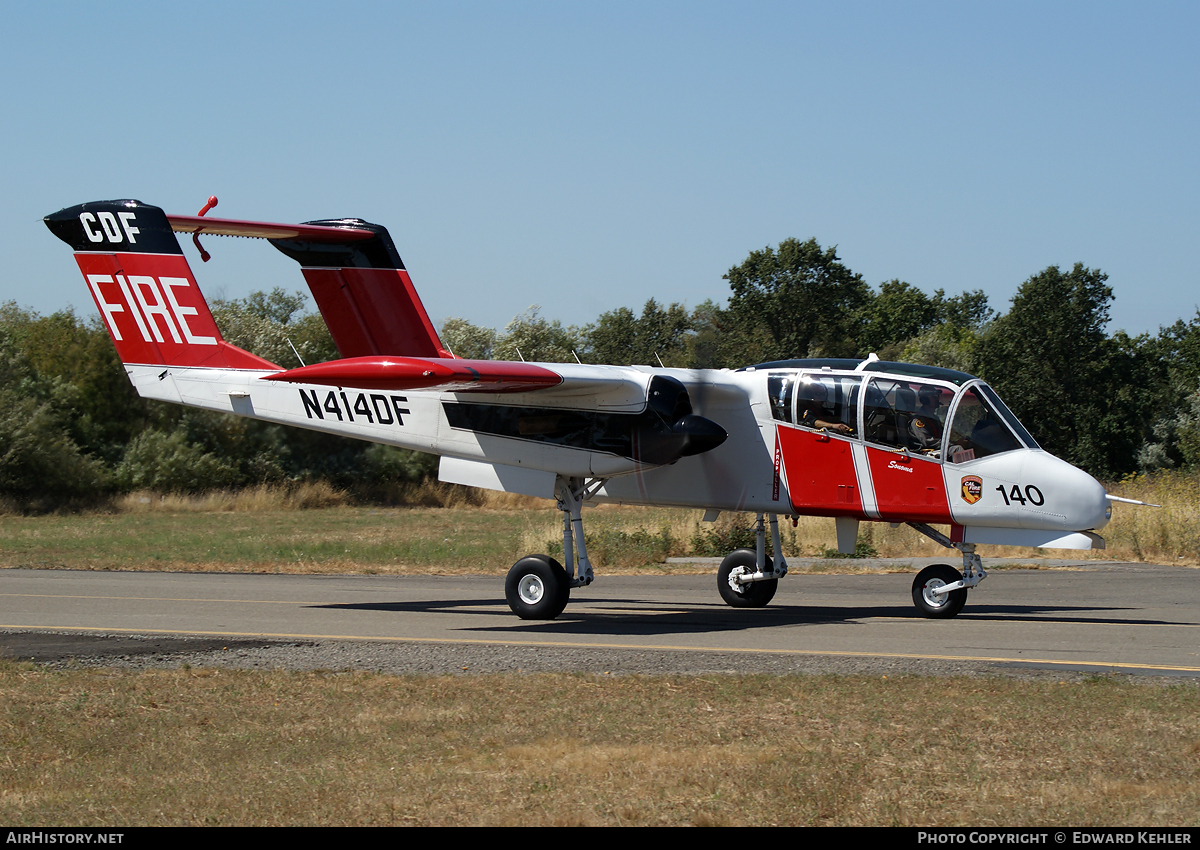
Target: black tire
{"type": "Point", "coordinates": [754, 595]}
{"type": "Point", "coordinates": [941, 607]}
{"type": "Point", "coordinates": [537, 588]}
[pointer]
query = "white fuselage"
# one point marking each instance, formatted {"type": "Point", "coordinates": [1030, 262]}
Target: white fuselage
{"type": "Point", "coordinates": [761, 467]}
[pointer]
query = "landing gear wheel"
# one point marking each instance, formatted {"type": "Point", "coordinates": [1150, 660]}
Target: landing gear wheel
{"type": "Point", "coordinates": [938, 606]}
{"type": "Point", "coordinates": [537, 588]}
{"type": "Point", "coordinates": [754, 595]}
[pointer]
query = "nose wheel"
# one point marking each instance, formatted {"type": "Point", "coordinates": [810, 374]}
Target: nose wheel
{"type": "Point", "coordinates": [940, 591]}
{"type": "Point", "coordinates": [930, 598]}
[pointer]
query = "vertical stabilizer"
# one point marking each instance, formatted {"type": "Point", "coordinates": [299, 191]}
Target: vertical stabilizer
{"type": "Point", "coordinates": [365, 294]}
{"type": "Point", "coordinates": [144, 288]}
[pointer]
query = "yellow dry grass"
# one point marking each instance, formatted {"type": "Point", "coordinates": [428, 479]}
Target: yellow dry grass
{"type": "Point", "coordinates": [301, 496]}
{"type": "Point", "coordinates": [107, 747]}
{"type": "Point", "coordinates": [335, 535]}
{"type": "Point", "coordinates": [1167, 535]}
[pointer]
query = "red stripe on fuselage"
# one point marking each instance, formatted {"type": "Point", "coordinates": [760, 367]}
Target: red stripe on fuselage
{"type": "Point", "coordinates": [820, 475]}
{"type": "Point", "coordinates": [908, 488]}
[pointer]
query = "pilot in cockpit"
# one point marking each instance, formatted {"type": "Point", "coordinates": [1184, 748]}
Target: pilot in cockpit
{"type": "Point", "coordinates": [925, 427]}
{"type": "Point", "coordinates": [811, 398]}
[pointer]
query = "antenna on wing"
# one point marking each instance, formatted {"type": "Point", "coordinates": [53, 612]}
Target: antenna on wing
{"type": "Point", "coordinates": [297, 353]}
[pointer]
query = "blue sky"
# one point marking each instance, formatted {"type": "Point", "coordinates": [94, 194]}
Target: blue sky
{"type": "Point", "coordinates": [589, 156]}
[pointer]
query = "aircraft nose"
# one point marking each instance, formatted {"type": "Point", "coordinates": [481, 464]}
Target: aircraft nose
{"type": "Point", "coordinates": [1076, 499]}
{"type": "Point", "coordinates": [1091, 505]}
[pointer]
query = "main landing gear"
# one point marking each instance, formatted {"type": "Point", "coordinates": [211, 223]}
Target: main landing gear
{"type": "Point", "coordinates": [748, 578]}
{"type": "Point", "coordinates": [539, 587]}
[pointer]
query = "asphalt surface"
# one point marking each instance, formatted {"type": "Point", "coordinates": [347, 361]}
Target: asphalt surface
{"type": "Point", "coordinates": [1094, 617]}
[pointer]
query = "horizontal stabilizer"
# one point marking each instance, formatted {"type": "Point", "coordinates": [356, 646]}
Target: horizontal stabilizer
{"type": "Point", "coordinates": [266, 230]}
{"type": "Point", "coordinates": [416, 373]}
{"type": "Point", "coordinates": [356, 276]}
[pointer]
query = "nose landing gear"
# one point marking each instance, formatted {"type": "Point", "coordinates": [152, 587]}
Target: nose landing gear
{"type": "Point", "coordinates": [940, 591]}
{"type": "Point", "coordinates": [930, 596]}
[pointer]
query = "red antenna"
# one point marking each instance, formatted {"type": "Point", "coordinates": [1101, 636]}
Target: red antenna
{"type": "Point", "coordinates": [204, 255]}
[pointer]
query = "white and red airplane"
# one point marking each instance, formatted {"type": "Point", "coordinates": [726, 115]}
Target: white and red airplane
{"type": "Point", "coordinates": [853, 440]}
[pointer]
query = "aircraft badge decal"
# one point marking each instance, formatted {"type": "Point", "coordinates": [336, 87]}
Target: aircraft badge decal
{"type": "Point", "coordinates": [972, 489]}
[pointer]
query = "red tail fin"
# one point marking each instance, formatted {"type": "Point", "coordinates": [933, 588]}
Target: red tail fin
{"type": "Point", "coordinates": [365, 294]}
{"type": "Point", "coordinates": [144, 288]}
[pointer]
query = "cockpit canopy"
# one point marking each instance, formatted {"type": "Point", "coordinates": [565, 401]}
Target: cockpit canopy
{"type": "Point", "coordinates": [937, 413]}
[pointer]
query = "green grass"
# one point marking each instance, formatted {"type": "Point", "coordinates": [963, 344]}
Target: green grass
{"type": "Point", "coordinates": [333, 539]}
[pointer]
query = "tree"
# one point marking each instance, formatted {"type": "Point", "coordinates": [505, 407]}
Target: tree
{"type": "Point", "coordinates": [530, 337]}
{"type": "Point", "coordinates": [77, 365]}
{"type": "Point", "coordinates": [1176, 431]}
{"type": "Point", "coordinates": [168, 463]}
{"type": "Point", "coordinates": [806, 300]}
{"type": "Point", "coordinates": [267, 324]}
{"type": "Point", "coordinates": [1074, 389]}
{"type": "Point", "coordinates": [275, 306]}
{"type": "Point", "coordinates": [620, 338]}
{"type": "Point", "coordinates": [41, 466]}
{"type": "Point", "coordinates": [943, 345]}
{"type": "Point", "coordinates": [898, 313]}
{"type": "Point", "coordinates": [969, 311]}
{"type": "Point", "coordinates": [952, 342]}
{"type": "Point", "coordinates": [471, 342]}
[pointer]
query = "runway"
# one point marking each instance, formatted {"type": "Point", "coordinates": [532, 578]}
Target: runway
{"type": "Point", "coordinates": [1099, 617]}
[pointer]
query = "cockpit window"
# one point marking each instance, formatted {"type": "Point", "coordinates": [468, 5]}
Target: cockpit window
{"type": "Point", "coordinates": [906, 415]}
{"type": "Point", "coordinates": [980, 428]}
{"type": "Point", "coordinates": [779, 391]}
{"type": "Point", "coordinates": [1008, 416]}
{"type": "Point", "coordinates": [828, 403]}
{"type": "Point", "coordinates": [820, 402]}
